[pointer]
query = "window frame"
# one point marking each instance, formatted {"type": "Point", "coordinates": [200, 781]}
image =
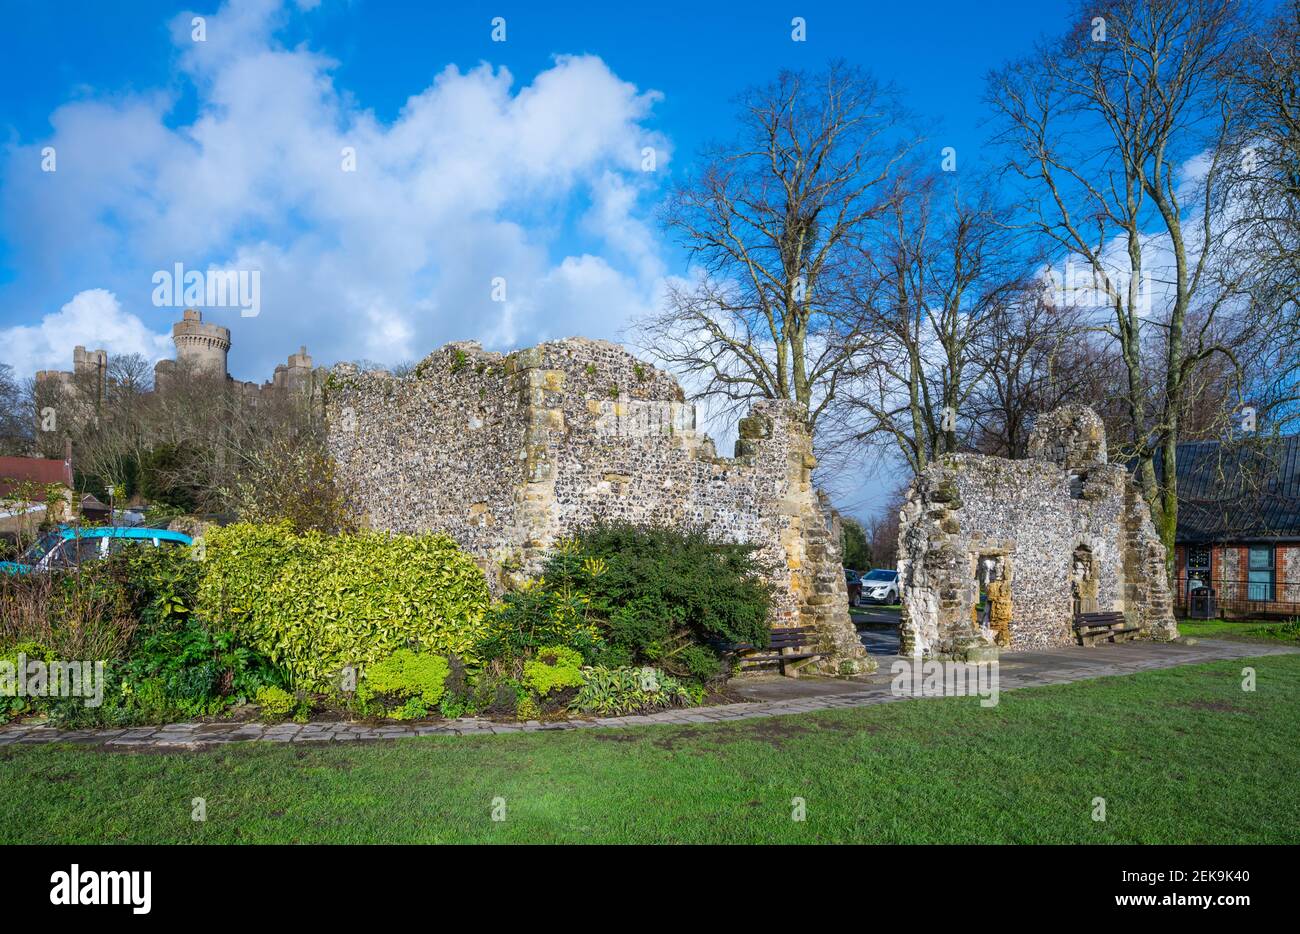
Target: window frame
{"type": "Point", "coordinates": [1267, 574]}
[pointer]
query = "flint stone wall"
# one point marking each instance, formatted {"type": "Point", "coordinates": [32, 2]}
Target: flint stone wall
{"type": "Point", "coordinates": [1040, 521]}
{"type": "Point", "coordinates": [1290, 571]}
{"type": "Point", "coordinates": [508, 453]}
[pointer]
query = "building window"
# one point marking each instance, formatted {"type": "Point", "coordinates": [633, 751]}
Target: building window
{"type": "Point", "coordinates": [1260, 573]}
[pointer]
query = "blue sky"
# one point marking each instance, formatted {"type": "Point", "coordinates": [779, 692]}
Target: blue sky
{"type": "Point", "coordinates": [475, 158]}
{"type": "Point", "coordinates": [698, 55]}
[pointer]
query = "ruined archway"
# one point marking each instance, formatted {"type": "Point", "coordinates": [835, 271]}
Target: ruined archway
{"type": "Point", "coordinates": [1084, 581]}
{"type": "Point", "coordinates": [993, 578]}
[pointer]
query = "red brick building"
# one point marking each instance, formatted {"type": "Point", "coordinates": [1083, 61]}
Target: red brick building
{"type": "Point", "coordinates": [1239, 525]}
{"type": "Point", "coordinates": [36, 471]}
{"type": "Point", "coordinates": [23, 483]}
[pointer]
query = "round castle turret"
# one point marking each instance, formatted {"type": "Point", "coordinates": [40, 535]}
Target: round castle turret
{"type": "Point", "coordinates": [201, 348]}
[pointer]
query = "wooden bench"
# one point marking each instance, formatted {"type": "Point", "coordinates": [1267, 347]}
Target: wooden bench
{"type": "Point", "coordinates": [1092, 628]}
{"type": "Point", "coordinates": [784, 647]}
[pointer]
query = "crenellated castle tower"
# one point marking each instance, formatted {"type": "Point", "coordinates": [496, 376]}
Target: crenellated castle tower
{"type": "Point", "coordinates": [202, 349]}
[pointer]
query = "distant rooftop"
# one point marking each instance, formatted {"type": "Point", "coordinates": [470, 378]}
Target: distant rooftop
{"type": "Point", "coordinates": [1239, 491]}
{"type": "Point", "coordinates": [40, 471]}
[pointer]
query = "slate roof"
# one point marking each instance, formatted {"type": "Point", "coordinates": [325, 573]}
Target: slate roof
{"type": "Point", "coordinates": [91, 503]}
{"type": "Point", "coordinates": [1239, 491]}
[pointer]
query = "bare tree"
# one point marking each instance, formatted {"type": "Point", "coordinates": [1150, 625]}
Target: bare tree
{"type": "Point", "coordinates": [15, 415]}
{"type": "Point", "coordinates": [1264, 200]}
{"type": "Point", "coordinates": [927, 291]}
{"type": "Point", "coordinates": [108, 419]}
{"type": "Point", "coordinates": [1267, 177]}
{"type": "Point", "coordinates": [882, 530]}
{"type": "Point", "coordinates": [259, 458]}
{"type": "Point", "coordinates": [128, 377]}
{"type": "Point", "coordinates": [1120, 134]}
{"type": "Point", "coordinates": [771, 220]}
{"type": "Point", "coordinates": [63, 409]}
{"type": "Point", "coordinates": [195, 442]}
{"type": "Point", "coordinates": [1040, 356]}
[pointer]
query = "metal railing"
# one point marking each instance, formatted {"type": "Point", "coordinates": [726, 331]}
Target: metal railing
{"type": "Point", "coordinates": [1242, 599]}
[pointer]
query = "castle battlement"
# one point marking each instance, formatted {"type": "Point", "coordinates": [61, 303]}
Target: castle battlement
{"type": "Point", "coordinates": [202, 349]}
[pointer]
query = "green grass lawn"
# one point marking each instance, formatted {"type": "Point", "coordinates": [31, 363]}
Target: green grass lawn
{"type": "Point", "coordinates": [1246, 629]}
{"type": "Point", "coordinates": [1181, 755]}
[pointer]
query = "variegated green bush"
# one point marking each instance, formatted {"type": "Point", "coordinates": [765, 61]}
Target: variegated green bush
{"type": "Point", "coordinates": [318, 604]}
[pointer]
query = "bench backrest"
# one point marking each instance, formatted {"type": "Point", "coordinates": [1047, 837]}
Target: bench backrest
{"type": "Point", "coordinates": [1098, 619]}
{"type": "Point", "coordinates": [786, 637]}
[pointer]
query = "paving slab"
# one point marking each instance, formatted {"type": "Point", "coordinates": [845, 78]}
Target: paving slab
{"type": "Point", "coordinates": [765, 696]}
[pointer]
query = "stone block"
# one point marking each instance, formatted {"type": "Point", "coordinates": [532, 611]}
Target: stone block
{"type": "Point", "coordinates": [527, 359]}
{"type": "Point", "coordinates": [755, 427]}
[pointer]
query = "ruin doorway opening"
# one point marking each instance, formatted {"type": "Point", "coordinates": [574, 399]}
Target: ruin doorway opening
{"type": "Point", "coordinates": [1084, 581]}
{"type": "Point", "coordinates": [993, 598]}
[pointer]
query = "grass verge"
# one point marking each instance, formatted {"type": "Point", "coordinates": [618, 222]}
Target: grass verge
{"type": "Point", "coordinates": [1250, 630]}
{"type": "Point", "coordinates": [1181, 755]}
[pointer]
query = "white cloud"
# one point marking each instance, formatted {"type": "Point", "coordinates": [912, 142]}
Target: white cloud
{"type": "Point", "coordinates": [615, 219]}
{"type": "Point", "coordinates": [93, 319]}
{"type": "Point", "coordinates": [475, 178]}
{"type": "Point", "coordinates": [592, 293]}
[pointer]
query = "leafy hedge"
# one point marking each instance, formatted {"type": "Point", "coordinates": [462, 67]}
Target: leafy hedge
{"type": "Point", "coordinates": [317, 604]}
{"type": "Point", "coordinates": [625, 595]}
{"type": "Point", "coordinates": [624, 619]}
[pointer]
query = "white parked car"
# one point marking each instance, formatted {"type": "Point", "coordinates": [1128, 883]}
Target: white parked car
{"type": "Point", "coordinates": [880, 586]}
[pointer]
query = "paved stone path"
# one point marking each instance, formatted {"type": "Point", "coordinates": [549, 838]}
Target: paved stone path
{"type": "Point", "coordinates": [877, 630]}
{"type": "Point", "coordinates": [766, 697]}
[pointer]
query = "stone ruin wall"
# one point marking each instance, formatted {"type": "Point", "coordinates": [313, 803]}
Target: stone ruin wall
{"type": "Point", "coordinates": [1033, 520]}
{"type": "Point", "coordinates": [508, 453]}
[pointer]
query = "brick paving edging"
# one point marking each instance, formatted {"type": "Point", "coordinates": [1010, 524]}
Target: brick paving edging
{"type": "Point", "coordinates": [199, 735]}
